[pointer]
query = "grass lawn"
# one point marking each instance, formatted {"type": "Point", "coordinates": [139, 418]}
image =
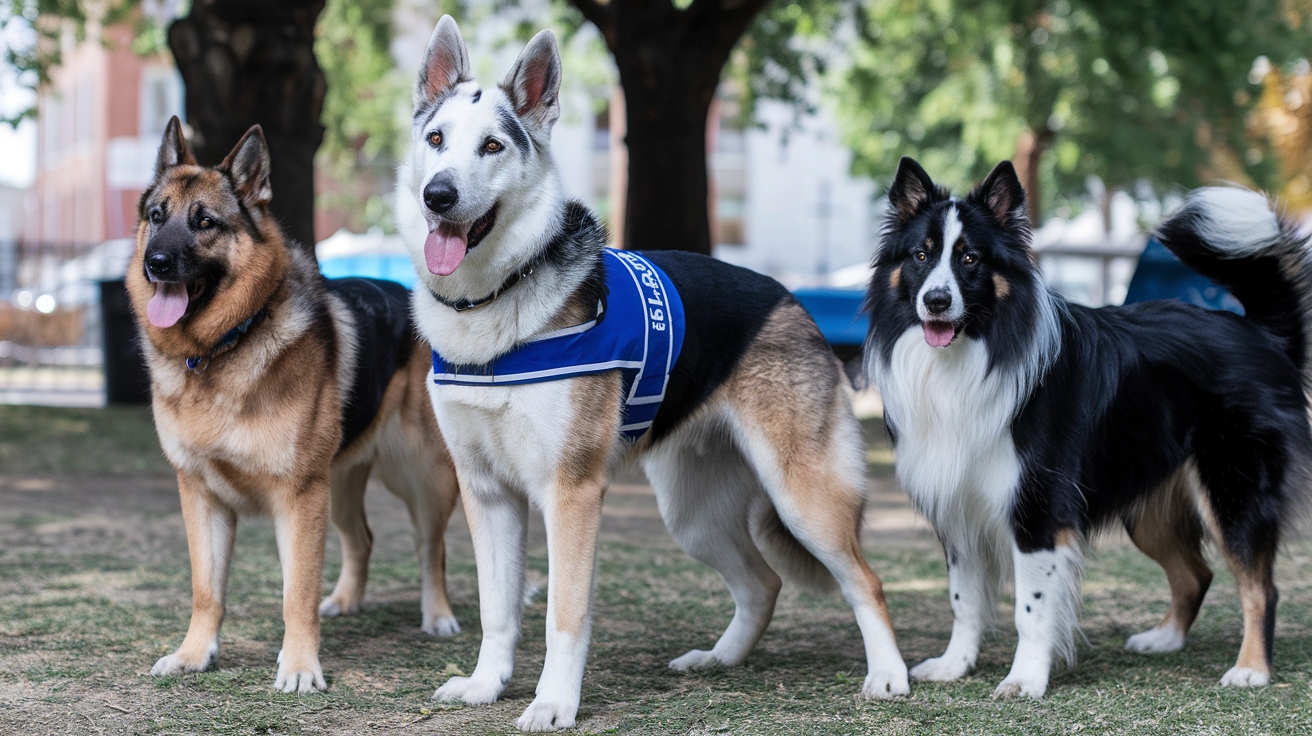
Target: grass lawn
{"type": "Point", "coordinates": [94, 587]}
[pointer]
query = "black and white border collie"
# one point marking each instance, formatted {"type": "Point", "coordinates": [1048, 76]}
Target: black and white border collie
{"type": "Point", "coordinates": [1023, 423]}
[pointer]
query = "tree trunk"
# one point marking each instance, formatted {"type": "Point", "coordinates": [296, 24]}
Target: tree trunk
{"type": "Point", "coordinates": [669, 62]}
{"type": "Point", "coordinates": [1030, 148]}
{"type": "Point", "coordinates": [252, 61]}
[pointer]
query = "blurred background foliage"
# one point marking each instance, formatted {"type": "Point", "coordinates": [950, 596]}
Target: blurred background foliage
{"type": "Point", "coordinates": [1144, 95]}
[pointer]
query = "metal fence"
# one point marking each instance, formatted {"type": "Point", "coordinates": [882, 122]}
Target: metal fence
{"type": "Point", "coordinates": [51, 349]}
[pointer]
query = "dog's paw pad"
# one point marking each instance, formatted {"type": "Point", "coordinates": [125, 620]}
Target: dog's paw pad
{"type": "Point", "coordinates": [695, 660]}
{"type": "Point", "coordinates": [468, 690]}
{"type": "Point", "coordinates": [541, 715]}
{"type": "Point", "coordinates": [445, 626]}
{"type": "Point", "coordinates": [1160, 639]}
{"type": "Point", "coordinates": [942, 669]}
{"type": "Point", "coordinates": [1244, 677]}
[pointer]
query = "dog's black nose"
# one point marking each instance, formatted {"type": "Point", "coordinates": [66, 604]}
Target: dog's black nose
{"type": "Point", "coordinates": [440, 195]}
{"type": "Point", "coordinates": [159, 264]}
{"type": "Point", "coordinates": [937, 301]}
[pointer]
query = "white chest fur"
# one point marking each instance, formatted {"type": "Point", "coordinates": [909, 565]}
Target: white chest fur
{"type": "Point", "coordinates": [505, 436]}
{"type": "Point", "coordinates": [952, 416]}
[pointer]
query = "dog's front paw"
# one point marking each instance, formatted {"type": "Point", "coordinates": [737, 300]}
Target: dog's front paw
{"type": "Point", "coordinates": [1020, 687]}
{"type": "Point", "coordinates": [469, 690]}
{"type": "Point", "coordinates": [697, 659]}
{"type": "Point", "coordinates": [1160, 639]}
{"type": "Point", "coordinates": [445, 626]}
{"type": "Point", "coordinates": [544, 715]}
{"type": "Point", "coordinates": [300, 680]}
{"type": "Point", "coordinates": [886, 684]}
{"type": "Point", "coordinates": [334, 606]}
{"type": "Point", "coordinates": [942, 669]}
{"type": "Point", "coordinates": [1244, 677]}
{"type": "Point", "coordinates": [184, 660]}
{"type": "Point", "coordinates": [175, 664]}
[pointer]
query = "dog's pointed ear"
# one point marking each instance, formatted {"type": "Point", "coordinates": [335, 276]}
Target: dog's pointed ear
{"type": "Point", "coordinates": [173, 149]}
{"type": "Point", "coordinates": [446, 62]}
{"type": "Point", "coordinates": [249, 167]}
{"type": "Point", "coordinates": [1002, 194]}
{"type": "Point", "coordinates": [533, 85]}
{"type": "Point", "coordinates": [911, 190]}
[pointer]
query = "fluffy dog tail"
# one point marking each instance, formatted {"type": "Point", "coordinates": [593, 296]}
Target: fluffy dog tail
{"type": "Point", "coordinates": [1234, 237]}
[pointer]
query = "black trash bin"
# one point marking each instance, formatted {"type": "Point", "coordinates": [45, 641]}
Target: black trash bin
{"type": "Point", "coordinates": [126, 378]}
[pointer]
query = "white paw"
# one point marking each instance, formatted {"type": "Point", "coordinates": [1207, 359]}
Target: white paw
{"type": "Point", "coordinates": [301, 682]}
{"type": "Point", "coordinates": [942, 669]}
{"type": "Point", "coordinates": [445, 626]}
{"type": "Point", "coordinates": [695, 660]}
{"type": "Point", "coordinates": [886, 684]}
{"type": "Point", "coordinates": [1160, 639]}
{"type": "Point", "coordinates": [1015, 687]}
{"type": "Point", "coordinates": [1244, 677]}
{"type": "Point", "coordinates": [469, 690]}
{"type": "Point", "coordinates": [542, 715]}
{"type": "Point", "coordinates": [175, 665]}
{"type": "Point", "coordinates": [332, 607]}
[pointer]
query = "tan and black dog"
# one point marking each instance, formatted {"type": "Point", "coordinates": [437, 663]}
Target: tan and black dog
{"type": "Point", "coordinates": [275, 390]}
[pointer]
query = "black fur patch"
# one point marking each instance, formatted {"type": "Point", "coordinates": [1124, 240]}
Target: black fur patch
{"type": "Point", "coordinates": [514, 130]}
{"type": "Point", "coordinates": [725, 307]}
{"type": "Point", "coordinates": [384, 340]}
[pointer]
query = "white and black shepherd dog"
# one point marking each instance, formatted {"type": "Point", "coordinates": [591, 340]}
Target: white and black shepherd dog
{"type": "Point", "coordinates": [754, 453]}
{"type": "Point", "coordinates": [1023, 423]}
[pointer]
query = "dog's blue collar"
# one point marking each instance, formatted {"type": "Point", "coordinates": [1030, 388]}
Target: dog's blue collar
{"type": "Point", "coordinates": [638, 331]}
{"type": "Point", "coordinates": [225, 343]}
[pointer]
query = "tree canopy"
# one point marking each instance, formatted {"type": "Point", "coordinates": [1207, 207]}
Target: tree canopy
{"type": "Point", "coordinates": [1126, 90]}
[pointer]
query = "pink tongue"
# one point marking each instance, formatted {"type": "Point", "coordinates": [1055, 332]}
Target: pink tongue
{"type": "Point", "coordinates": [939, 334]}
{"type": "Point", "coordinates": [445, 248]}
{"type": "Point", "coordinates": [168, 305]}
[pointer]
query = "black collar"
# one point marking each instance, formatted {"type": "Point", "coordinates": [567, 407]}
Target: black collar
{"type": "Point", "coordinates": [229, 340]}
{"type": "Point", "coordinates": [464, 305]}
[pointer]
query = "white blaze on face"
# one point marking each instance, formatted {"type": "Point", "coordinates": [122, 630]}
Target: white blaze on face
{"type": "Point", "coordinates": [940, 328]}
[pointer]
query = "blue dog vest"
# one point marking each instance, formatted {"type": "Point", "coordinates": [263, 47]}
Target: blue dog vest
{"type": "Point", "coordinates": [639, 331]}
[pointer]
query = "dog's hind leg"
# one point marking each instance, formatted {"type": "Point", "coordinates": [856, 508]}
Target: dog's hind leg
{"type": "Point", "coordinates": [1239, 500]}
{"type": "Point", "coordinates": [1168, 530]}
{"type": "Point", "coordinates": [815, 482]}
{"type": "Point", "coordinates": [348, 515]}
{"type": "Point", "coordinates": [706, 492]}
{"type": "Point", "coordinates": [210, 531]}
{"type": "Point", "coordinates": [421, 475]}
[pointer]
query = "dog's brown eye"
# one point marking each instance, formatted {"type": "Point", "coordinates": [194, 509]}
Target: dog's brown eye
{"type": "Point", "coordinates": [969, 258]}
{"type": "Point", "coordinates": [435, 138]}
{"type": "Point", "coordinates": [492, 146]}
{"type": "Point", "coordinates": [156, 217]}
{"type": "Point", "coordinates": [920, 255]}
{"type": "Point", "coordinates": [205, 223]}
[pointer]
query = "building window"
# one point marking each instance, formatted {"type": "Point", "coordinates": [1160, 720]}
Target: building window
{"type": "Point", "coordinates": [161, 99]}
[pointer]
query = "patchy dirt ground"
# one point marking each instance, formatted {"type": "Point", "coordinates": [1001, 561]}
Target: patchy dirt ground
{"type": "Point", "coordinates": [94, 587]}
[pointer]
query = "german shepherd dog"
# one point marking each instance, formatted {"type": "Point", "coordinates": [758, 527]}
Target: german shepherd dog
{"type": "Point", "coordinates": [1024, 423]}
{"type": "Point", "coordinates": [275, 390]}
{"type": "Point", "coordinates": [754, 454]}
